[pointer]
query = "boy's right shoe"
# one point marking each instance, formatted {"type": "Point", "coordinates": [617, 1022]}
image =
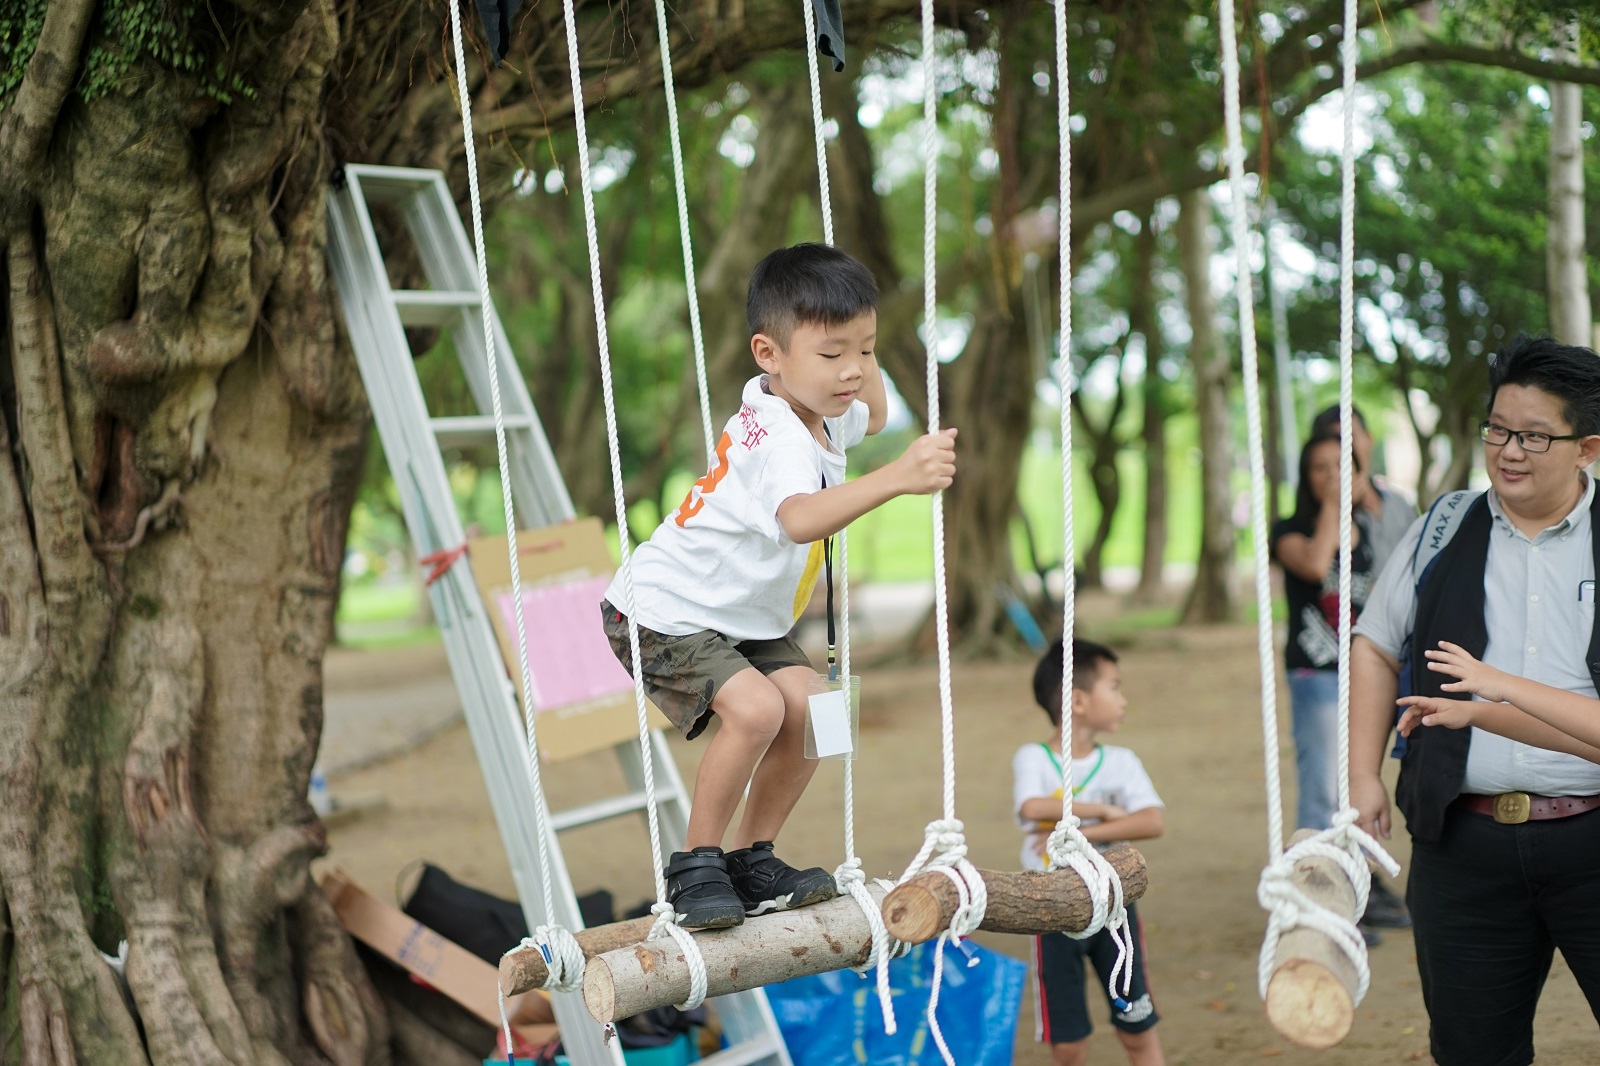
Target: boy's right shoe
{"type": "Point", "coordinates": [767, 883]}
{"type": "Point", "coordinates": [698, 887]}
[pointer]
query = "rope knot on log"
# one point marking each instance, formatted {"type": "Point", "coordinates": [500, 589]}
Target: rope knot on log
{"type": "Point", "coordinates": [1313, 968]}
{"type": "Point", "coordinates": [1068, 848]}
{"type": "Point", "coordinates": [667, 924]}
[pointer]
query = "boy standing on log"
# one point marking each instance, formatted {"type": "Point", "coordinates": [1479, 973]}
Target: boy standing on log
{"type": "Point", "coordinates": [719, 585]}
{"type": "Point", "coordinates": [1115, 799]}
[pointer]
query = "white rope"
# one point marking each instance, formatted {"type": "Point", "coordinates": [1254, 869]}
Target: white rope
{"type": "Point", "coordinates": [666, 923]}
{"type": "Point", "coordinates": [848, 876]}
{"type": "Point", "coordinates": [1289, 908]}
{"type": "Point", "coordinates": [1245, 298]}
{"type": "Point", "coordinates": [1066, 846]}
{"type": "Point", "coordinates": [1347, 230]}
{"type": "Point", "coordinates": [816, 122]}
{"type": "Point", "coordinates": [690, 284]}
{"type": "Point", "coordinates": [555, 943]}
{"type": "Point", "coordinates": [944, 845]}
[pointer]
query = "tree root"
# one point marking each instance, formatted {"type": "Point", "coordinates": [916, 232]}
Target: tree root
{"type": "Point", "coordinates": [160, 514]}
{"type": "Point", "coordinates": [346, 1017]}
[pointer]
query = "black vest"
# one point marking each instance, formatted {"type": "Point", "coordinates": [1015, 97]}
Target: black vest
{"type": "Point", "coordinates": [1450, 607]}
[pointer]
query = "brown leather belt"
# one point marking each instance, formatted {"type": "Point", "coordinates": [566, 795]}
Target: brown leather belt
{"type": "Point", "coordinates": [1514, 808]}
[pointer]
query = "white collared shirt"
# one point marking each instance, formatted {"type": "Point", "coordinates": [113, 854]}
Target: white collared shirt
{"type": "Point", "coordinates": [1539, 614]}
{"type": "Point", "coordinates": [722, 560]}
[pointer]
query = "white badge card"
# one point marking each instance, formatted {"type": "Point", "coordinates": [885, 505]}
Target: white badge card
{"type": "Point", "coordinates": [828, 726]}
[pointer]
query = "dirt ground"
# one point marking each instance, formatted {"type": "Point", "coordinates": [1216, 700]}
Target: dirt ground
{"type": "Point", "coordinates": [1195, 721]}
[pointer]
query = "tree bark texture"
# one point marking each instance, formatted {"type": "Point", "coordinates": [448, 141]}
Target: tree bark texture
{"type": "Point", "coordinates": [1211, 596]}
{"type": "Point", "coordinates": [1144, 320]}
{"type": "Point", "coordinates": [1567, 254]}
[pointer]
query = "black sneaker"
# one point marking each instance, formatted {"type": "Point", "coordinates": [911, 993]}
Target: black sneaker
{"type": "Point", "coordinates": [699, 889]}
{"type": "Point", "coordinates": [1369, 934]}
{"type": "Point", "coordinates": [1385, 909]}
{"type": "Point", "coordinates": [765, 882]}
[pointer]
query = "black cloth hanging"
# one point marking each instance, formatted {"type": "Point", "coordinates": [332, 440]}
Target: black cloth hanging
{"type": "Point", "coordinates": [497, 16]}
{"type": "Point", "coordinates": [830, 30]}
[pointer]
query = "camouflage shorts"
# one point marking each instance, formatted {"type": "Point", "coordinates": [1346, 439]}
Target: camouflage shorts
{"type": "Point", "coordinates": [683, 674]}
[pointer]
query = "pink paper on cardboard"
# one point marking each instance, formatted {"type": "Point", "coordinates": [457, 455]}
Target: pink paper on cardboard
{"type": "Point", "coordinates": [568, 653]}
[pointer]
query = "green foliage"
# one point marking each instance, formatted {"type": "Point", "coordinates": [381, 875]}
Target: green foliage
{"type": "Point", "coordinates": [1446, 244]}
{"type": "Point", "coordinates": [181, 35]}
{"type": "Point", "coordinates": [19, 36]}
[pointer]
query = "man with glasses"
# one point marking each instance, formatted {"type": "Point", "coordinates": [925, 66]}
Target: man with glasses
{"type": "Point", "coordinates": [1505, 862]}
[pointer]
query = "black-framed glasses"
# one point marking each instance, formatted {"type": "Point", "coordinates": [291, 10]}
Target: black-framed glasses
{"type": "Point", "coordinates": [1529, 440]}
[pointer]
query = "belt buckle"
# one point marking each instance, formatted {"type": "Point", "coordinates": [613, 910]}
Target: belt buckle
{"type": "Point", "coordinates": [1512, 808]}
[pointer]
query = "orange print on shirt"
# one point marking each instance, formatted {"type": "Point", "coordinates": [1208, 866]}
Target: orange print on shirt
{"type": "Point", "coordinates": [707, 484]}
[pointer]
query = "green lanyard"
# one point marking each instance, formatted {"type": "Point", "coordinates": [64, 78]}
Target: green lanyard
{"type": "Point", "coordinates": [1100, 758]}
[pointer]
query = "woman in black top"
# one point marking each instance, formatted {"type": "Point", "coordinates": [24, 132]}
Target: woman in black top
{"type": "Point", "coordinates": [1306, 545]}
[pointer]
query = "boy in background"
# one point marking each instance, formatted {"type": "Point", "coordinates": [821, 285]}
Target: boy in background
{"type": "Point", "coordinates": [718, 586]}
{"type": "Point", "coordinates": [1115, 800]}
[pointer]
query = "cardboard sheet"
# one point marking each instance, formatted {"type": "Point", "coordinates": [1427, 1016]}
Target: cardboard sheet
{"type": "Point", "coordinates": [582, 696]}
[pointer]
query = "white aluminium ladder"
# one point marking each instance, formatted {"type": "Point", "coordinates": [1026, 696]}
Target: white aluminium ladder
{"type": "Point", "coordinates": [377, 316]}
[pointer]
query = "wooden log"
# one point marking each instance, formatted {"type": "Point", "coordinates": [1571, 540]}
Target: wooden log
{"type": "Point", "coordinates": [762, 951]}
{"type": "Point", "coordinates": [1311, 997]}
{"type": "Point", "coordinates": [1024, 901]}
{"type": "Point", "coordinates": [524, 968]}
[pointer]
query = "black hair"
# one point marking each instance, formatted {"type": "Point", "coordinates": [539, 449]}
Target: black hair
{"type": "Point", "coordinates": [1086, 659]}
{"type": "Point", "coordinates": [1326, 424]}
{"type": "Point", "coordinates": [1566, 371]}
{"type": "Point", "coordinates": [1306, 505]}
{"type": "Point", "coordinates": [807, 284]}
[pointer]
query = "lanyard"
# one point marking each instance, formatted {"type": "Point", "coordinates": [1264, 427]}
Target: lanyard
{"type": "Point", "coordinates": [1100, 758]}
{"type": "Point", "coordinates": [827, 569]}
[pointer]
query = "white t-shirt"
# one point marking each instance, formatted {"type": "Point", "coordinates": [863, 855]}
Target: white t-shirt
{"type": "Point", "coordinates": [1108, 775]}
{"type": "Point", "coordinates": [721, 560]}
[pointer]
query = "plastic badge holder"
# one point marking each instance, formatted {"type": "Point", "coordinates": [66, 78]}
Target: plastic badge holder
{"type": "Point", "coordinates": [831, 723]}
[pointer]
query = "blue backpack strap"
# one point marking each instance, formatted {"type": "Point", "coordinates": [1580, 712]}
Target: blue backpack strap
{"type": "Point", "coordinates": [1438, 529]}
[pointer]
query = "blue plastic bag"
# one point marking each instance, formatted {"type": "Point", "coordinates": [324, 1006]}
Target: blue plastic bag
{"type": "Point", "coordinates": [834, 1019]}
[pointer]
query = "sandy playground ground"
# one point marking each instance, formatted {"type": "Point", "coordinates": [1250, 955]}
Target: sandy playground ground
{"type": "Point", "coordinates": [1194, 719]}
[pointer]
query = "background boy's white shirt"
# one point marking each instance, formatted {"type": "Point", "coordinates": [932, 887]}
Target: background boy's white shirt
{"type": "Point", "coordinates": [729, 567]}
{"type": "Point", "coordinates": [1120, 781]}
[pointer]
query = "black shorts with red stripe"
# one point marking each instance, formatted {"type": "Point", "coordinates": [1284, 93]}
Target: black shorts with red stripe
{"type": "Point", "coordinates": [1063, 1009]}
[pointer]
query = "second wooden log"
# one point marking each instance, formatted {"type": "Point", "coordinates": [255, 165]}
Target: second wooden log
{"type": "Point", "coordinates": [522, 969]}
{"type": "Point", "coordinates": [1311, 996]}
{"type": "Point", "coordinates": [763, 951]}
{"type": "Point", "coordinates": [1024, 901]}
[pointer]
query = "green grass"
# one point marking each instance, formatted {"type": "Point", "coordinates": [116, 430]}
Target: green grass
{"type": "Point", "coordinates": [367, 603]}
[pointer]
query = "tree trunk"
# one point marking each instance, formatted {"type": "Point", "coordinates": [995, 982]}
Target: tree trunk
{"type": "Point", "coordinates": [993, 420]}
{"type": "Point", "coordinates": [1566, 251]}
{"type": "Point", "coordinates": [182, 444]}
{"type": "Point", "coordinates": [1143, 320]}
{"type": "Point", "coordinates": [1104, 445]}
{"type": "Point", "coordinates": [1211, 596]}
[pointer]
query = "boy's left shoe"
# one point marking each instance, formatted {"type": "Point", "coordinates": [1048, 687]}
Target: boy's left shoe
{"type": "Point", "coordinates": [765, 882]}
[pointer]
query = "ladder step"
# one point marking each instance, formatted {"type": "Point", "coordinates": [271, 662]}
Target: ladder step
{"type": "Point", "coordinates": [464, 431]}
{"type": "Point", "coordinates": [599, 811]}
{"type": "Point", "coordinates": [745, 1052]}
{"type": "Point", "coordinates": [432, 307]}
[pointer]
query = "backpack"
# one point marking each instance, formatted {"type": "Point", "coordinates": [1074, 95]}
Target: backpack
{"type": "Point", "coordinates": [1439, 527]}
